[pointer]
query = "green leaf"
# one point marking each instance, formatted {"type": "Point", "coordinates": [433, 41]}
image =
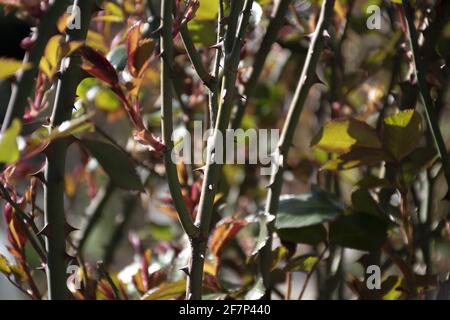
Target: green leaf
{"type": "Point", "coordinates": [358, 231]}
{"type": "Point", "coordinates": [342, 135]}
{"type": "Point", "coordinates": [85, 85]}
{"type": "Point", "coordinates": [116, 164]}
{"type": "Point", "coordinates": [309, 235]}
{"type": "Point", "coordinates": [4, 267]}
{"type": "Point", "coordinates": [202, 32]}
{"type": "Point", "coordinates": [421, 158]}
{"type": "Point", "coordinates": [296, 211]}
{"type": "Point", "coordinates": [391, 288]}
{"type": "Point", "coordinates": [8, 67]}
{"type": "Point", "coordinates": [208, 10]}
{"type": "Point", "coordinates": [357, 157]}
{"type": "Point", "coordinates": [303, 263]}
{"type": "Point", "coordinates": [9, 150]}
{"type": "Point", "coordinates": [167, 291]}
{"type": "Point", "coordinates": [71, 127]}
{"type": "Point", "coordinates": [402, 133]}
{"type": "Point", "coordinates": [300, 217]}
{"type": "Point", "coordinates": [363, 201]}
{"type": "Point", "coordinates": [107, 100]}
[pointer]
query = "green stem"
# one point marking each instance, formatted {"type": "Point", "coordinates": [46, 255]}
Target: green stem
{"type": "Point", "coordinates": [213, 169]}
{"type": "Point", "coordinates": [213, 99]}
{"type": "Point", "coordinates": [266, 45]}
{"type": "Point", "coordinates": [55, 167]}
{"type": "Point", "coordinates": [427, 101]}
{"type": "Point", "coordinates": [26, 79]}
{"type": "Point", "coordinates": [167, 118]}
{"type": "Point", "coordinates": [305, 82]}
{"type": "Point", "coordinates": [195, 57]}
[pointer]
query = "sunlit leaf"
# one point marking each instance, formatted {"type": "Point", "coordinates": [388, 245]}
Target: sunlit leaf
{"type": "Point", "coordinates": [9, 149]}
{"type": "Point", "coordinates": [402, 133]}
{"type": "Point", "coordinates": [4, 266]}
{"type": "Point", "coordinates": [224, 232]}
{"type": "Point", "coordinates": [356, 157]}
{"type": "Point", "coordinates": [303, 263]}
{"type": "Point", "coordinates": [208, 10]}
{"type": "Point", "coordinates": [343, 134]}
{"type": "Point", "coordinates": [8, 67]}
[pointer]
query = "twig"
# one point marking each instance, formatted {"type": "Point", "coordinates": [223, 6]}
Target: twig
{"type": "Point", "coordinates": [266, 45]}
{"type": "Point", "coordinates": [306, 81]}
{"type": "Point", "coordinates": [427, 101]}
{"type": "Point", "coordinates": [311, 272]}
{"type": "Point", "coordinates": [233, 44]}
{"type": "Point", "coordinates": [55, 167]}
{"type": "Point", "coordinates": [36, 244]}
{"type": "Point", "coordinates": [287, 295]}
{"type": "Point", "coordinates": [213, 98]}
{"type": "Point", "coordinates": [25, 82]}
{"type": "Point", "coordinates": [167, 121]}
{"type": "Point", "coordinates": [195, 58]}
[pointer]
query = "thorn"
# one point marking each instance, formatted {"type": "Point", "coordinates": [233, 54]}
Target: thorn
{"type": "Point", "coordinates": [41, 267]}
{"type": "Point", "coordinates": [39, 175]}
{"type": "Point", "coordinates": [160, 54]}
{"type": "Point", "coordinates": [202, 169]}
{"type": "Point", "coordinates": [69, 228]}
{"type": "Point", "coordinates": [68, 257]}
{"type": "Point", "coordinates": [185, 270]}
{"type": "Point", "coordinates": [157, 31]}
{"type": "Point", "coordinates": [44, 231]}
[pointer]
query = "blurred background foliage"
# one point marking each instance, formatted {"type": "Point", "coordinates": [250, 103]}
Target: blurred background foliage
{"type": "Point", "coordinates": [363, 183]}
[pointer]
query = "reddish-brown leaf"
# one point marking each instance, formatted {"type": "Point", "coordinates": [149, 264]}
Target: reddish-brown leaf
{"type": "Point", "coordinates": [98, 66]}
{"type": "Point", "coordinates": [224, 232]}
{"type": "Point", "coordinates": [138, 51]}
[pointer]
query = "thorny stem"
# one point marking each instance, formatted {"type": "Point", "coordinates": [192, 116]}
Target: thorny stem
{"type": "Point", "coordinates": [305, 82]}
{"type": "Point", "coordinates": [266, 45]}
{"type": "Point", "coordinates": [167, 121]}
{"type": "Point", "coordinates": [213, 102]}
{"type": "Point", "coordinates": [195, 57]}
{"type": "Point", "coordinates": [233, 44]}
{"type": "Point", "coordinates": [427, 101]}
{"type": "Point", "coordinates": [55, 167]}
{"type": "Point", "coordinates": [26, 79]}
